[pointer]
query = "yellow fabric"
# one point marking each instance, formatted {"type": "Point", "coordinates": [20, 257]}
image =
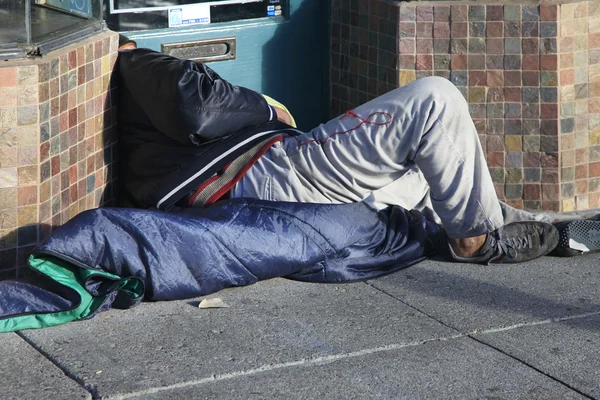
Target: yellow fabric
{"type": "Point", "coordinates": [275, 103]}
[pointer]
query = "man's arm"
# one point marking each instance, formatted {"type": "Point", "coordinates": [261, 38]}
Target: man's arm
{"type": "Point", "coordinates": [188, 101]}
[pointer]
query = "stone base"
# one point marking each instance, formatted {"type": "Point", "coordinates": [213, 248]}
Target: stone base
{"type": "Point", "coordinates": [57, 143]}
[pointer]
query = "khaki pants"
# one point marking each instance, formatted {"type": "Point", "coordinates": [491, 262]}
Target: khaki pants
{"type": "Point", "coordinates": [416, 147]}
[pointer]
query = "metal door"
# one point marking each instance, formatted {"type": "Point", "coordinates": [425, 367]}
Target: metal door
{"type": "Point", "coordinates": [285, 57]}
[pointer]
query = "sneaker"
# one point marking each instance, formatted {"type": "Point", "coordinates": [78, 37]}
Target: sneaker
{"type": "Point", "coordinates": [514, 243]}
{"type": "Point", "coordinates": [577, 237]}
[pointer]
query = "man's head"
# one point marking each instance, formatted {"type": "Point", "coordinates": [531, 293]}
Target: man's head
{"type": "Point", "coordinates": [126, 44]}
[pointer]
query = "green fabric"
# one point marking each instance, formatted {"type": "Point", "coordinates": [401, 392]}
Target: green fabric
{"type": "Point", "coordinates": [72, 277]}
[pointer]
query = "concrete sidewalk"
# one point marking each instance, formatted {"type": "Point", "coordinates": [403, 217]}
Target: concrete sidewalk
{"type": "Point", "coordinates": [435, 330]}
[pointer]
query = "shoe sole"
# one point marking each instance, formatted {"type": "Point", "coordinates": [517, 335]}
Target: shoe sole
{"type": "Point", "coordinates": [583, 236]}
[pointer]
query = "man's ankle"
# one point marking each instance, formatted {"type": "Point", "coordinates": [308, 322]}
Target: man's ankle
{"type": "Point", "coordinates": [468, 247]}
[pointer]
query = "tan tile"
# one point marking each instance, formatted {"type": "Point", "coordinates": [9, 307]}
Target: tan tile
{"type": "Point", "coordinates": [477, 94]}
{"type": "Point", "coordinates": [73, 210]}
{"type": "Point", "coordinates": [594, 105]}
{"type": "Point", "coordinates": [595, 137]}
{"type": "Point", "coordinates": [27, 195]}
{"type": "Point", "coordinates": [594, 73]}
{"type": "Point", "coordinates": [45, 193]}
{"type": "Point", "coordinates": [8, 198]}
{"type": "Point", "coordinates": [581, 28]}
{"type": "Point", "coordinates": [8, 77]}
{"type": "Point", "coordinates": [99, 127]}
{"type": "Point", "coordinates": [28, 175]}
{"type": "Point", "coordinates": [28, 95]}
{"type": "Point", "coordinates": [581, 10]}
{"type": "Point", "coordinates": [80, 94]}
{"type": "Point", "coordinates": [594, 25]}
{"type": "Point", "coordinates": [105, 65]}
{"type": "Point", "coordinates": [594, 9]}
{"type": "Point", "coordinates": [567, 60]}
{"type": "Point", "coordinates": [567, 142]}
{"type": "Point", "coordinates": [582, 203]}
{"type": "Point", "coordinates": [513, 143]}
{"type": "Point", "coordinates": [8, 177]}
{"type": "Point", "coordinates": [27, 155]}
{"type": "Point", "coordinates": [45, 211]}
{"type": "Point", "coordinates": [594, 199]}
{"type": "Point", "coordinates": [594, 40]}
{"type": "Point", "coordinates": [581, 107]}
{"type": "Point", "coordinates": [8, 218]}
{"type": "Point", "coordinates": [568, 158]}
{"type": "Point", "coordinates": [581, 123]}
{"type": "Point", "coordinates": [567, 11]}
{"type": "Point", "coordinates": [582, 139]}
{"type": "Point", "coordinates": [8, 96]}
{"type": "Point", "coordinates": [567, 93]}
{"type": "Point", "coordinates": [567, 28]}
{"type": "Point", "coordinates": [27, 75]}
{"type": "Point", "coordinates": [568, 205]}
{"type": "Point", "coordinates": [28, 135]}
{"type": "Point", "coordinates": [8, 117]}
{"type": "Point", "coordinates": [105, 84]}
{"type": "Point", "coordinates": [594, 122]}
{"type": "Point", "coordinates": [8, 157]}
{"type": "Point", "coordinates": [406, 76]}
{"type": "Point", "coordinates": [89, 91]}
{"type": "Point", "coordinates": [98, 86]}
{"type": "Point", "coordinates": [27, 215]}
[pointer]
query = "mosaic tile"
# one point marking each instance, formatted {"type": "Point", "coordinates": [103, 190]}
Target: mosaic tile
{"type": "Point", "coordinates": [510, 96]}
{"type": "Point", "coordinates": [548, 12]}
{"type": "Point", "coordinates": [477, 13]}
{"type": "Point", "coordinates": [512, 13]}
{"type": "Point", "coordinates": [530, 29]}
{"type": "Point", "coordinates": [512, 46]}
{"type": "Point", "coordinates": [477, 29]}
{"type": "Point", "coordinates": [459, 13]}
{"type": "Point", "coordinates": [512, 29]}
{"type": "Point", "coordinates": [532, 175]}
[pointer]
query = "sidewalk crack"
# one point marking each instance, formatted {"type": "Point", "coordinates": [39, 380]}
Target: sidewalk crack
{"type": "Point", "coordinates": [304, 362]}
{"type": "Point", "coordinates": [91, 389]}
{"type": "Point", "coordinates": [471, 335]}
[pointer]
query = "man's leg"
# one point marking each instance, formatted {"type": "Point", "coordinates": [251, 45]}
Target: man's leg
{"type": "Point", "coordinates": [425, 126]}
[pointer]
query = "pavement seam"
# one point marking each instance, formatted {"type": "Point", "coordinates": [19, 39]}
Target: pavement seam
{"type": "Point", "coordinates": [471, 335]}
{"type": "Point", "coordinates": [532, 367]}
{"type": "Point", "coordinates": [92, 390]}
{"type": "Point", "coordinates": [305, 362]}
{"type": "Point", "coordinates": [491, 330]}
{"type": "Point", "coordinates": [534, 323]}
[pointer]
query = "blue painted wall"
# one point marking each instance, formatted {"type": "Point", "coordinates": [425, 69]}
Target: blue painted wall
{"type": "Point", "coordinates": [285, 59]}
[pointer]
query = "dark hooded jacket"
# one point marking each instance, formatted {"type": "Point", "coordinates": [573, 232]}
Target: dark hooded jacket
{"type": "Point", "coordinates": [180, 123]}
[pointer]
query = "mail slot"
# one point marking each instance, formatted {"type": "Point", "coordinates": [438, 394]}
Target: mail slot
{"type": "Point", "coordinates": [203, 50]}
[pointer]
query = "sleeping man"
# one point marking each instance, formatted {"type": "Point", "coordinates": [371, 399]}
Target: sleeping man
{"type": "Point", "coordinates": [189, 138]}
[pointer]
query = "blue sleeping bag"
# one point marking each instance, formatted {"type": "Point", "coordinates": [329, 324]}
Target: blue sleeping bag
{"type": "Point", "coordinates": [117, 257]}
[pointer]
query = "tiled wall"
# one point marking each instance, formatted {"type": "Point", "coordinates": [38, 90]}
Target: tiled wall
{"type": "Point", "coordinates": [57, 146]}
{"type": "Point", "coordinates": [530, 74]}
{"type": "Point", "coordinates": [579, 65]}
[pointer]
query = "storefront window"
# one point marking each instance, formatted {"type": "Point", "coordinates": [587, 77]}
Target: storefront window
{"type": "Point", "coordinates": [31, 28]}
{"type": "Point", "coordinates": [131, 15]}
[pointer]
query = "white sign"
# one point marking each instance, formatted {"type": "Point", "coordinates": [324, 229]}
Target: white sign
{"type": "Point", "coordinates": [194, 14]}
